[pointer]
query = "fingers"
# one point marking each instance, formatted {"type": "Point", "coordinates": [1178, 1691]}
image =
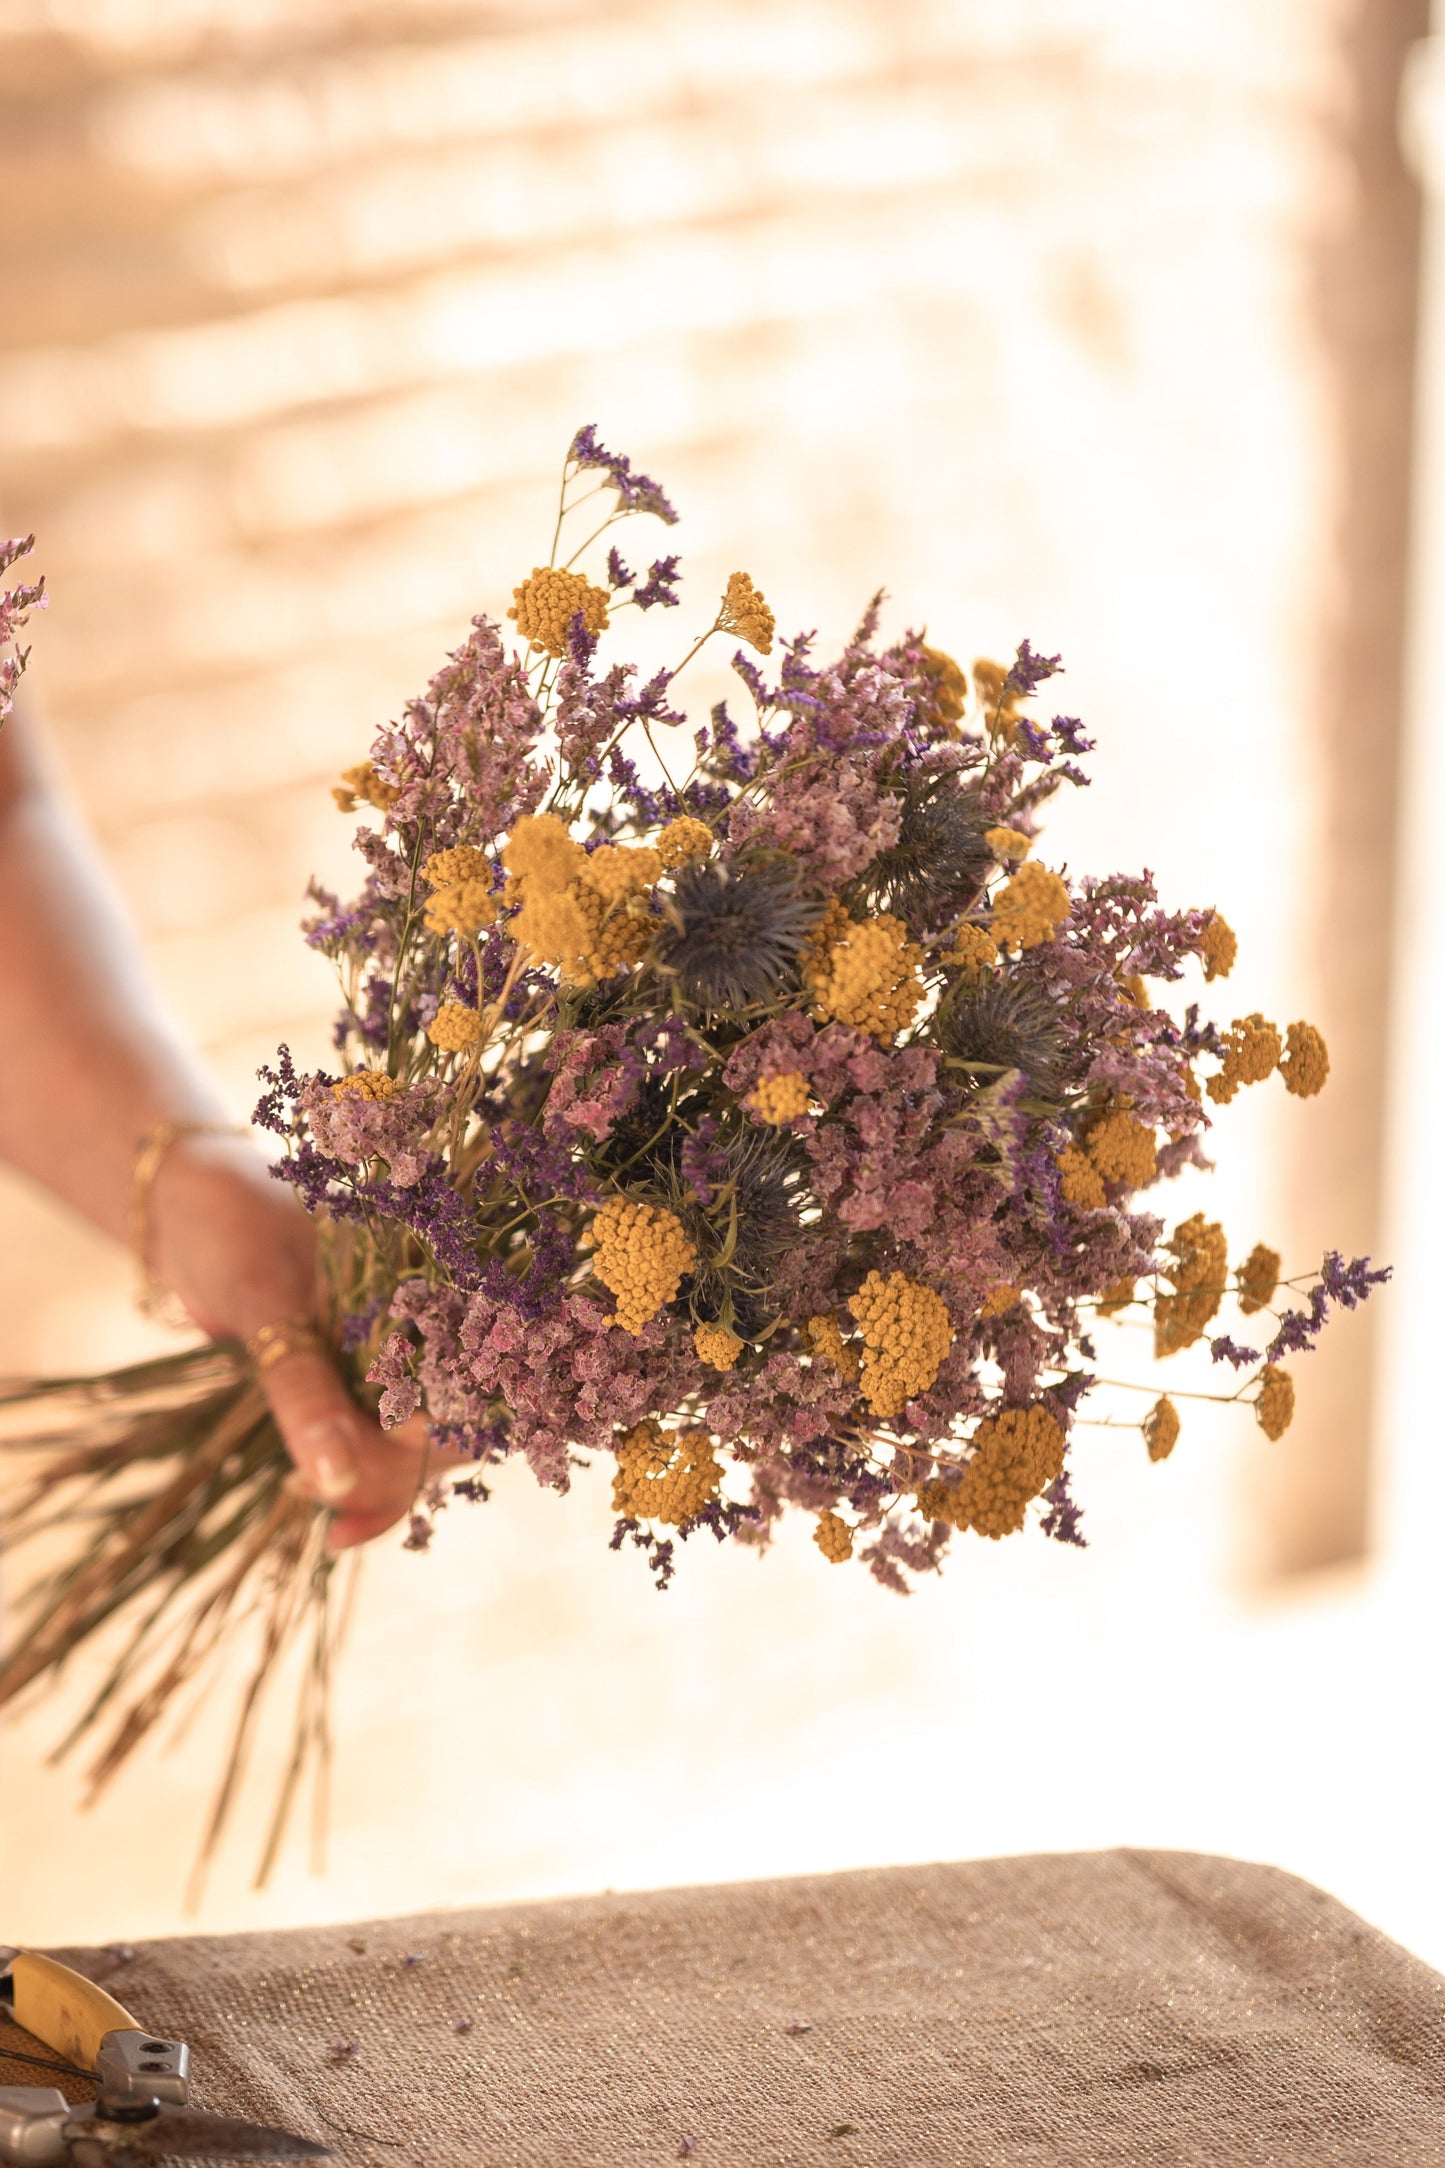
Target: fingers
{"type": "Point", "coordinates": [319, 1423]}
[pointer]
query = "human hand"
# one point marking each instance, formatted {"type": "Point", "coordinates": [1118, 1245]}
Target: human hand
{"type": "Point", "coordinates": [240, 1253]}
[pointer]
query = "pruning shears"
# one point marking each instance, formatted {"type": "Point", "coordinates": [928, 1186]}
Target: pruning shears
{"type": "Point", "coordinates": [142, 2112]}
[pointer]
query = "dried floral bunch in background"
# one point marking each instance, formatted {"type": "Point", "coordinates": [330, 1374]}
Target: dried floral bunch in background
{"type": "Point", "coordinates": [745, 1103]}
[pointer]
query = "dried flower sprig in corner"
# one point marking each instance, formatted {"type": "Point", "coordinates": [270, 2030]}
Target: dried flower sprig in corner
{"type": "Point", "coordinates": [764, 1116]}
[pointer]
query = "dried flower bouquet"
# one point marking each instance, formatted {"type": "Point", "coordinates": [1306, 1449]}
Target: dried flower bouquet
{"type": "Point", "coordinates": [766, 1119]}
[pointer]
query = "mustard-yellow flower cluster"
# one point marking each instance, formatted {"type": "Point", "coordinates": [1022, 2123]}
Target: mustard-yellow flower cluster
{"type": "Point", "coordinates": [780, 1098]}
{"type": "Point", "coordinates": [1275, 1405]}
{"type": "Point", "coordinates": [662, 1477]}
{"type": "Point", "coordinates": [1258, 1279]}
{"type": "Point", "coordinates": [455, 1028]}
{"type": "Point", "coordinates": [1018, 1454]}
{"type": "Point", "coordinates": [585, 912]}
{"type": "Point", "coordinates": [834, 1538]}
{"type": "Point", "coordinates": [545, 605]}
{"type": "Point", "coordinates": [642, 1254]}
{"type": "Point", "coordinates": [1306, 1062]}
{"type": "Point", "coordinates": [869, 976]}
{"type": "Point", "coordinates": [1082, 1182]}
{"type": "Point", "coordinates": [362, 785]}
{"type": "Point", "coordinates": [999, 1301]}
{"type": "Point", "coordinates": [1008, 843]}
{"type": "Point", "coordinates": [463, 902]}
{"type": "Point", "coordinates": [1122, 1149]}
{"type": "Point", "coordinates": [1161, 1428]}
{"type": "Point", "coordinates": [823, 1337]}
{"type": "Point", "coordinates": [1029, 907]}
{"type": "Point", "coordinates": [683, 839]}
{"type": "Point", "coordinates": [1218, 947]}
{"type": "Point", "coordinates": [1198, 1278]}
{"type": "Point", "coordinates": [998, 699]}
{"type": "Point", "coordinates": [906, 1335]}
{"type": "Point", "coordinates": [1116, 1296]}
{"type": "Point", "coordinates": [947, 687]}
{"type": "Point", "coordinates": [970, 950]}
{"type": "Point", "coordinates": [1251, 1053]}
{"type": "Point", "coordinates": [716, 1346]}
{"type": "Point", "coordinates": [745, 612]}
{"type": "Point", "coordinates": [366, 1084]}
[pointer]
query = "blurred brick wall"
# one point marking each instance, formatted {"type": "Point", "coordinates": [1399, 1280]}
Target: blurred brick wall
{"type": "Point", "coordinates": [1087, 319]}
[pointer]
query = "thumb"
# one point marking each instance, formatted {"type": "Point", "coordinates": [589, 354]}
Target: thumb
{"type": "Point", "coordinates": [319, 1422]}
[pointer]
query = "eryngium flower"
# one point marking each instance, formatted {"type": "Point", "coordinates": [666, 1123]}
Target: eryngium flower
{"type": "Point", "coordinates": [755, 1219]}
{"type": "Point", "coordinates": [734, 929]}
{"type": "Point", "coordinates": [941, 859]}
{"type": "Point", "coordinates": [1004, 1023]}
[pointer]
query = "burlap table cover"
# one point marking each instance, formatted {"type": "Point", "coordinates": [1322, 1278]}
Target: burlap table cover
{"type": "Point", "coordinates": [1112, 2007]}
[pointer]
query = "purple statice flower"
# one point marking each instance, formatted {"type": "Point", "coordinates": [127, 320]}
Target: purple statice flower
{"type": "Point", "coordinates": [596, 1076]}
{"type": "Point", "coordinates": [660, 587]}
{"type": "Point", "coordinates": [1224, 1350]}
{"type": "Point", "coordinates": [16, 603]}
{"type": "Point", "coordinates": [357, 1129]}
{"type": "Point", "coordinates": [1028, 670]}
{"type": "Point", "coordinates": [635, 492]}
{"type": "Point", "coordinates": [1069, 736]}
{"type": "Point", "coordinates": [1346, 1285]}
{"type": "Point", "coordinates": [393, 1371]}
{"type": "Point", "coordinates": [357, 1326]}
{"type": "Point", "coordinates": [1063, 1519]}
{"type": "Point", "coordinates": [829, 813]}
{"type": "Point", "coordinates": [618, 574]}
{"type": "Point", "coordinates": [1034, 742]}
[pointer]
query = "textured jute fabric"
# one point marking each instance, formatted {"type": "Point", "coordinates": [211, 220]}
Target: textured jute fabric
{"type": "Point", "coordinates": [1139, 2007]}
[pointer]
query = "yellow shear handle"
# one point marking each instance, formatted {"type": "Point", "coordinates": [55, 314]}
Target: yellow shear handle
{"type": "Point", "coordinates": [69, 2013]}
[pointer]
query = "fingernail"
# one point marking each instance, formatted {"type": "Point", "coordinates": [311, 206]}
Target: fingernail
{"type": "Point", "coordinates": [332, 1480]}
{"type": "Point", "coordinates": [325, 1463]}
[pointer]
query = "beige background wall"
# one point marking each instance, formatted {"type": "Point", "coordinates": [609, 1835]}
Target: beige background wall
{"type": "Point", "coordinates": [1091, 322]}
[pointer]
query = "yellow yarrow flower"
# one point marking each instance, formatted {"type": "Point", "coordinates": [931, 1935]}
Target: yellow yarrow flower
{"type": "Point", "coordinates": [1082, 1183]}
{"type": "Point", "coordinates": [1306, 1062]}
{"type": "Point", "coordinates": [823, 1339]}
{"type": "Point", "coordinates": [642, 1253]}
{"type": "Point", "coordinates": [869, 976]}
{"type": "Point", "coordinates": [545, 605]}
{"type": "Point", "coordinates": [906, 1336]}
{"type": "Point", "coordinates": [1161, 1428]}
{"type": "Point", "coordinates": [362, 785]}
{"type": "Point", "coordinates": [716, 1346]}
{"type": "Point", "coordinates": [454, 1028]}
{"type": "Point", "coordinates": [448, 869]}
{"type": "Point", "coordinates": [1029, 907]}
{"type": "Point", "coordinates": [1258, 1279]}
{"type": "Point", "coordinates": [366, 1084]}
{"type": "Point", "coordinates": [662, 1477]}
{"type": "Point", "coordinates": [1122, 1149]}
{"type": "Point", "coordinates": [463, 909]}
{"type": "Point", "coordinates": [616, 871]}
{"type": "Point", "coordinates": [540, 849]}
{"type": "Point", "coordinates": [1218, 946]}
{"type": "Point", "coordinates": [971, 950]}
{"type": "Point", "coordinates": [745, 612]}
{"type": "Point", "coordinates": [999, 1301]}
{"type": "Point", "coordinates": [1008, 842]}
{"type": "Point", "coordinates": [1198, 1278]}
{"type": "Point", "coordinates": [947, 687]}
{"type": "Point", "coordinates": [1274, 1407]}
{"type": "Point", "coordinates": [1017, 1455]}
{"type": "Point", "coordinates": [779, 1099]}
{"type": "Point", "coordinates": [1252, 1050]}
{"type": "Point", "coordinates": [834, 1538]}
{"type": "Point", "coordinates": [682, 840]}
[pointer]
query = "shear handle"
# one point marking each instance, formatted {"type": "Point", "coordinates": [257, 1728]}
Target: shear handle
{"type": "Point", "coordinates": [64, 2010]}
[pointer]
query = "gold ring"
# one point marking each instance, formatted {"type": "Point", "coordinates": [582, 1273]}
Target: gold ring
{"type": "Point", "coordinates": [274, 1343]}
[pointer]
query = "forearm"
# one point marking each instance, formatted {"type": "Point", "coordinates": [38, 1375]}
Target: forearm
{"type": "Point", "coordinates": [88, 1060]}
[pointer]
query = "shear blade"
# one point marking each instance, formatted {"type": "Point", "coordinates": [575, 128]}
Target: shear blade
{"type": "Point", "coordinates": [188, 2134]}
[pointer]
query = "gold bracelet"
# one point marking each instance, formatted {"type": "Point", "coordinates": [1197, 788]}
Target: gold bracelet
{"type": "Point", "coordinates": [153, 1298]}
{"type": "Point", "coordinates": [273, 1343]}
